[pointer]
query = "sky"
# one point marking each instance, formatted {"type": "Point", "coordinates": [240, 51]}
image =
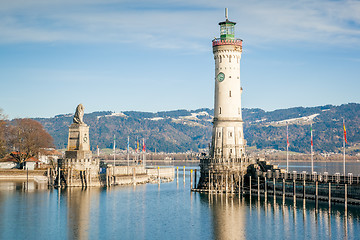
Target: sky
{"type": "Point", "coordinates": [156, 55]}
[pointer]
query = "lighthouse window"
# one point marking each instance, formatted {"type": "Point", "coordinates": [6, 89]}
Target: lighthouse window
{"type": "Point", "coordinates": [230, 150]}
{"type": "Point", "coordinates": [220, 59]}
{"type": "Point", "coordinates": [229, 58]}
{"type": "Point", "coordinates": [219, 134]}
{"type": "Point", "coordinates": [220, 111]}
{"type": "Point", "coordinates": [229, 93]}
{"type": "Point", "coordinates": [230, 134]}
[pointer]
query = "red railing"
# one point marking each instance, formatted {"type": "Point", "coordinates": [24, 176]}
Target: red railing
{"type": "Point", "coordinates": [219, 42]}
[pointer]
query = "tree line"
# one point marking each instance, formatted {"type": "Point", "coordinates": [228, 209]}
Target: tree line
{"type": "Point", "coordinates": [22, 139]}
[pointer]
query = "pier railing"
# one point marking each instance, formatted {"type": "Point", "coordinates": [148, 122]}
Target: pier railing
{"type": "Point", "coordinates": [335, 188]}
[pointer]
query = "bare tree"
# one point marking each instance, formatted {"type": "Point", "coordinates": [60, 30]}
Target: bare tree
{"type": "Point", "coordinates": [28, 137]}
{"type": "Point", "coordinates": [2, 134]}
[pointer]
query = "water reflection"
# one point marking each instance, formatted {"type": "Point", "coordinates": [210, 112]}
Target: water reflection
{"type": "Point", "coordinates": [168, 212]}
{"type": "Point", "coordinates": [228, 217]}
{"type": "Point", "coordinates": [78, 211]}
{"type": "Point", "coordinates": [233, 218]}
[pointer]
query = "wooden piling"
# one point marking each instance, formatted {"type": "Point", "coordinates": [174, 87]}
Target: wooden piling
{"type": "Point", "coordinates": [195, 182]}
{"type": "Point", "coordinates": [265, 189]}
{"type": "Point", "coordinates": [177, 174]}
{"type": "Point", "coordinates": [222, 182]}
{"type": "Point", "coordinates": [274, 186]}
{"type": "Point", "coordinates": [107, 176]}
{"type": "Point", "coordinates": [304, 186]}
{"type": "Point", "coordinates": [209, 188]}
{"type": "Point", "coordinates": [316, 195]}
{"type": "Point", "coordinates": [242, 184]}
{"type": "Point", "coordinates": [258, 185]}
{"type": "Point", "coordinates": [89, 177]}
{"type": "Point", "coordinates": [283, 186]}
{"type": "Point", "coordinates": [71, 173]}
{"type": "Point", "coordinates": [48, 176]}
{"type": "Point", "coordinates": [250, 184]}
{"type": "Point", "coordinates": [191, 178]}
{"type": "Point", "coordinates": [346, 197]}
{"type": "Point", "coordinates": [159, 174]}
{"type": "Point", "coordinates": [184, 173]}
{"type": "Point", "coordinates": [59, 177]}
{"type": "Point", "coordinates": [226, 182]}
{"type": "Point", "coordinates": [294, 188]}
{"type": "Point", "coordinates": [329, 194]}
{"type": "Point", "coordinates": [232, 183]}
{"type": "Point", "coordinates": [27, 178]}
{"type": "Point", "coordinates": [68, 176]}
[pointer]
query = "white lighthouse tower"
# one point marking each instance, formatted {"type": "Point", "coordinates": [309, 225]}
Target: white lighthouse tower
{"type": "Point", "coordinates": [226, 165]}
{"type": "Point", "coordinates": [228, 142]}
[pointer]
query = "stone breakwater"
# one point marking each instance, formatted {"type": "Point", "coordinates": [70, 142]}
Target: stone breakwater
{"type": "Point", "coordinates": [119, 175]}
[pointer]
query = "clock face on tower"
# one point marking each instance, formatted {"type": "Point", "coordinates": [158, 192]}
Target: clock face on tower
{"type": "Point", "coordinates": [220, 77]}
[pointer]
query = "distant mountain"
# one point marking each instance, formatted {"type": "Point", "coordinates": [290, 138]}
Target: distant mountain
{"type": "Point", "coordinates": [183, 130]}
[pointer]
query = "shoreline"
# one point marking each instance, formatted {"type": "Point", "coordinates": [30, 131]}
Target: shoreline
{"type": "Point", "coordinates": [320, 161]}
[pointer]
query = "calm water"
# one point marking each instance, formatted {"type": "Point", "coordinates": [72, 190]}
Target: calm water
{"type": "Point", "coordinates": [168, 211]}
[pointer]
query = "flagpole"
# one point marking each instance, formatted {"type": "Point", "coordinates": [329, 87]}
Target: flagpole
{"type": "Point", "coordinates": [114, 150]}
{"type": "Point", "coordinates": [344, 144]}
{"type": "Point", "coordinates": [128, 153]}
{"type": "Point", "coordinates": [312, 155]}
{"type": "Point", "coordinates": [144, 150]}
{"type": "Point", "coordinates": [287, 147]}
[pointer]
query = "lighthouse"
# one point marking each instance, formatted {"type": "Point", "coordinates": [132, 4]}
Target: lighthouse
{"type": "Point", "coordinates": [228, 142]}
{"type": "Point", "coordinates": [224, 168]}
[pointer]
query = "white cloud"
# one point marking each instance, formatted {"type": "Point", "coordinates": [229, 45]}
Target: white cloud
{"type": "Point", "coordinates": [178, 24]}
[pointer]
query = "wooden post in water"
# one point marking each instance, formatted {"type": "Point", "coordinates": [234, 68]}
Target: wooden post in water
{"type": "Point", "coordinates": [48, 176]}
{"type": "Point", "coordinates": [242, 184]}
{"type": "Point", "coordinates": [250, 185]}
{"type": "Point", "coordinates": [107, 177]}
{"type": "Point", "coordinates": [209, 181]}
{"type": "Point", "coordinates": [89, 177]}
{"type": "Point", "coordinates": [59, 177]}
{"type": "Point", "coordinates": [316, 195]}
{"type": "Point", "coordinates": [191, 178]}
{"type": "Point", "coordinates": [195, 182]}
{"type": "Point", "coordinates": [222, 182]}
{"type": "Point", "coordinates": [294, 188]}
{"type": "Point", "coordinates": [232, 183]}
{"type": "Point", "coordinates": [239, 189]}
{"type": "Point", "coordinates": [184, 173]}
{"type": "Point", "coordinates": [283, 185]}
{"type": "Point", "coordinates": [226, 182]}
{"type": "Point", "coordinates": [258, 185]}
{"type": "Point", "coordinates": [177, 174]}
{"type": "Point", "coordinates": [27, 178]}
{"type": "Point", "coordinates": [68, 176]}
{"type": "Point", "coordinates": [346, 198]}
{"type": "Point", "coordinates": [329, 194]}
{"type": "Point", "coordinates": [304, 185]}
{"type": "Point", "coordinates": [159, 174]}
{"type": "Point", "coordinates": [274, 191]}
{"type": "Point", "coordinates": [265, 188]}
